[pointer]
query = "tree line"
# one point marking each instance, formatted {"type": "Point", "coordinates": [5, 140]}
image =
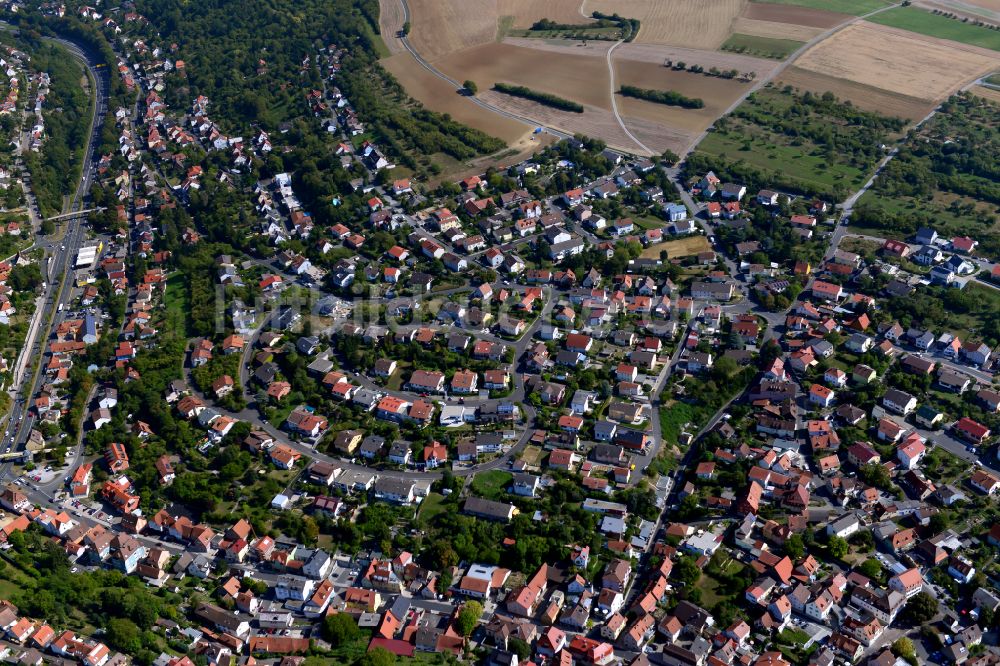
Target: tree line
{"type": "Point", "coordinates": [668, 97]}
{"type": "Point", "coordinates": [546, 99]}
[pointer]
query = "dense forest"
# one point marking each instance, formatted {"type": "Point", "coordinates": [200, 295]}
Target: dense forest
{"type": "Point", "coordinates": [66, 112]}
{"type": "Point", "coordinates": [254, 66]}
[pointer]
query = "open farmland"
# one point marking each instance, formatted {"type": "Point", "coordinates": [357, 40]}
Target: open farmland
{"type": "Point", "coordinates": [595, 122]}
{"type": "Point", "coordinates": [693, 23]}
{"type": "Point", "coordinates": [991, 94]}
{"type": "Point", "coordinates": [526, 12]}
{"type": "Point", "coordinates": [775, 30]}
{"type": "Point", "coordinates": [390, 22]}
{"type": "Point", "coordinates": [438, 95]}
{"type": "Point", "coordinates": [897, 61]}
{"type": "Point", "coordinates": [717, 94]}
{"type": "Point", "coordinates": [767, 47]}
{"type": "Point", "coordinates": [440, 27]}
{"type": "Point", "coordinates": [923, 22]}
{"type": "Point", "coordinates": [869, 98]}
{"type": "Point", "coordinates": [803, 16]}
{"type": "Point", "coordinates": [855, 7]}
{"type": "Point", "coordinates": [578, 78]}
{"type": "Point", "coordinates": [655, 53]}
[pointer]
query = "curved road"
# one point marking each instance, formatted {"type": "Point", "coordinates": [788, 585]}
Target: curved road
{"type": "Point", "coordinates": [458, 86]}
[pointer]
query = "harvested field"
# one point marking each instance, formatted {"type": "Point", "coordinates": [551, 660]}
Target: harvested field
{"type": "Point", "coordinates": [594, 121]}
{"type": "Point", "coordinates": [693, 23]}
{"type": "Point", "coordinates": [805, 16]}
{"type": "Point", "coordinates": [437, 95]}
{"type": "Point", "coordinates": [775, 30]}
{"type": "Point", "coordinates": [527, 12]}
{"type": "Point", "coordinates": [853, 7]}
{"type": "Point", "coordinates": [682, 247]}
{"type": "Point", "coordinates": [440, 27]}
{"type": "Point", "coordinates": [897, 61]}
{"type": "Point", "coordinates": [865, 97]}
{"type": "Point", "coordinates": [654, 53]}
{"type": "Point", "coordinates": [717, 94]}
{"type": "Point", "coordinates": [390, 22]}
{"type": "Point", "coordinates": [575, 77]}
{"type": "Point", "coordinates": [991, 94]}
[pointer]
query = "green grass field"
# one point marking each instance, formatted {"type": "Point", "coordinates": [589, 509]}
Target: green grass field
{"type": "Point", "coordinates": [934, 25]}
{"type": "Point", "coordinates": [855, 7]}
{"type": "Point", "coordinates": [176, 300]}
{"type": "Point", "coordinates": [432, 506]}
{"type": "Point", "coordinates": [491, 484]}
{"type": "Point", "coordinates": [765, 47]}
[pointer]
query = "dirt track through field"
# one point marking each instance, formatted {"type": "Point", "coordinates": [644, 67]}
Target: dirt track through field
{"type": "Point", "coordinates": [653, 53]}
{"type": "Point", "coordinates": [594, 121]}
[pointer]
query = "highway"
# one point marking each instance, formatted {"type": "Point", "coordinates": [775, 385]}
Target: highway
{"type": "Point", "coordinates": [62, 251]}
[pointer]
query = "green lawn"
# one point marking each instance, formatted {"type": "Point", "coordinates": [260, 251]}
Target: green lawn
{"type": "Point", "coordinates": [491, 484]}
{"type": "Point", "coordinates": [855, 7]}
{"type": "Point", "coordinates": [766, 47]}
{"type": "Point", "coordinates": [431, 507]}
{"type": "Point", "coordinates": [176, 300]}
{"type": "Point", "coordinates": [935, 25]}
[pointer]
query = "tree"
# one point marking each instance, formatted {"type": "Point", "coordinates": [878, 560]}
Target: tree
{"type": "Point", "coordinates": [670, 157]}
{"type": "Point", "coordinates": [377, 657]}
{"type": "Point", "coordinates": [519, 647]}
{"type": "Point", "coordinates": [687, 571]}
{"type": "Point", "coordinates": [468, 617]}
{"type": "Point", "coordinates": [339, 629]}
{"type": "Point", "coordinates": [903, 647]}
{"type": "Point", "coordinates": [921, 608]}
{"type": "Point", "coordinates": [838, 547]}
{"type": "Point", "coordinates": [124, 635]}
{"type": "Point", "coordinates": [471, 86]}
{"type": "Point", "coordinates": [871, 568]}
{"type": "Point", "coordinates": [794, 547]}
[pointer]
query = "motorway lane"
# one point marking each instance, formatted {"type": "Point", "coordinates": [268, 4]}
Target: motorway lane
{"type": "Point", "coordinates": [61, 261]}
